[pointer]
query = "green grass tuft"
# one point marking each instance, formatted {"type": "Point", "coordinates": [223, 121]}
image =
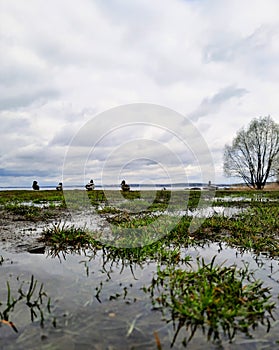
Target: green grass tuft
{"type": "Point", "coordinates": [220, 300]}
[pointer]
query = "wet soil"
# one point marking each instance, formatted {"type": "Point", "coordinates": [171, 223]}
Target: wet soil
{"type": "Point", "coordinates": [17, 234]}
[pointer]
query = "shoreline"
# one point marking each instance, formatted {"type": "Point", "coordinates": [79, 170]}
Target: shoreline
{"type": "Point", "coordinates": [274, 186]}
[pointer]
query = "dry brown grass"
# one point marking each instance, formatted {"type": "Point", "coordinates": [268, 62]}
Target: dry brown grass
{"type": "Point", "coordinates": [271, 186]}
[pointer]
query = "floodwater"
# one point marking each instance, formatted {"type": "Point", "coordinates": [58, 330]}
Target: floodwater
{"type": "Point", "coordinates": [97, 301]}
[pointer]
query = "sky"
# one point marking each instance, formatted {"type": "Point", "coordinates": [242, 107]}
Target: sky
{"type": "Point", "coordinates": [73, 74]}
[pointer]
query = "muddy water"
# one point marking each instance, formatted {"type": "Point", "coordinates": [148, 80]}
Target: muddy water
{"type": "Point", "coordinates": [99, 304]}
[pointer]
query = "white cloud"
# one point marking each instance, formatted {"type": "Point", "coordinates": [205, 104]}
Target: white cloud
{"type": "Point", "coordinates": [63, 62]}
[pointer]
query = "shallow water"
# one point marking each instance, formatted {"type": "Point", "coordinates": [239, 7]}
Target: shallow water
{"type": "Point", "coordinates": [98, 303]}
{"type": "Point", "coordinates": [254, 198]}
{"type": "Point", "coordinates": [215, 210]}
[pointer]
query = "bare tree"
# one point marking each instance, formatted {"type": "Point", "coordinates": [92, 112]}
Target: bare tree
{"type": "Point", "coordinates": [254, 153]}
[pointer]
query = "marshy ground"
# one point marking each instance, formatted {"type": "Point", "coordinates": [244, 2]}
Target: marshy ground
{"type": "Point", "coordinates": [149, 270]}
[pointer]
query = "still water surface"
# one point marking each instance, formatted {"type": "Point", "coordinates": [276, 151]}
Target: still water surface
{"type": "Point", "coordinates": [99, 304]}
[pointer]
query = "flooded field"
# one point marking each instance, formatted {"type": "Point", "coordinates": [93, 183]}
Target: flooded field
{"type": "Point", "coordinates": [62, 288]}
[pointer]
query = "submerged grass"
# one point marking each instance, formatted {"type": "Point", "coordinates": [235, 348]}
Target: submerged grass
{"type": "Point", "coordinates": [32, 296]}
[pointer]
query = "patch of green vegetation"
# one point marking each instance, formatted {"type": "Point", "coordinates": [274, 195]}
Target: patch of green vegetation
{"type": "Point", "coordinates": [130, 231]}
{"type": "Point", "coordinates": [159, 252]}
{"type": "Point", "coordinates": [31, 212]}
{"type": "Point", "coordinates": [131, 195]}
{"type": "Point", "coordinates": [62, 236]}
{"type": "Point", "coordinates": [32, 205]}
{"type": "Point", "coordinates": [108, 209]}
{"type": "Point", "coordinates": [19, 196]}
{"type": "Point", "coordinates": [100, 196]}
{"type": "Point", "coordinates": [126, 220]}
{"type": "Point", "coordinates": [97, 196]}
{"type": "Point", "coordinates": [137, 245]}
{"type": "Point", "coordinates": [245, 197]}
{"type": "Point", "coordinates": [31, 295]}
{"type": "Point", "coordinates": [148, 201]}
{"type": "Point", "coordinates": [257, 230]}
{"type": "Point", "coordinates": [135, 206]}
{"type": "Point", "coordinates": [180, 200]}
{"type": "Point", "coordinates": [219, 300]}
{"type": "Point", "coordinates": [154, 201]}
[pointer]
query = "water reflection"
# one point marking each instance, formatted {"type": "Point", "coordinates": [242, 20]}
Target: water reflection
{"type": "Point", "coordinates": [29, 295]}
{"type": "Point", "coordinates": [98, 296]}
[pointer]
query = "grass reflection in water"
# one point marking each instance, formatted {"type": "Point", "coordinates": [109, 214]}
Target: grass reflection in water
{"type": "Point", "coordinates": [224, 302]}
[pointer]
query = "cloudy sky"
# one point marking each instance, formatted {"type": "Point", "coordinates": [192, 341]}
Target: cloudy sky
{"type": "Point", "coordinates": [64, 63]}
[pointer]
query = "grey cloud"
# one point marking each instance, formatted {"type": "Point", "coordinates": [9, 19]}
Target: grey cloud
{"type": "Point", "coordinates": [23, 173]}
{"type": "Point", "coordinates": [26, 99]}
{"type": "Point", "coordinates": [139, 163]}
{"type": "Point", "coordinates": [64, 136]}
{"type": "Point", "coordinates": [212, 104]}
{"type": "Point", "coordinates": [34, 157]}
{"type": "Point", "coordinates": [103, 134]}
{"type": "Point", "coordinates": [12, 74]}
{"type": "Point", "coordinates": [255, 46]}
{"type": "Point", "coordinates": [12, 126]}
{"type": "Point", "coordinates": [24, 77]}
{"type": "Point", "coordinates": [147, 155]}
